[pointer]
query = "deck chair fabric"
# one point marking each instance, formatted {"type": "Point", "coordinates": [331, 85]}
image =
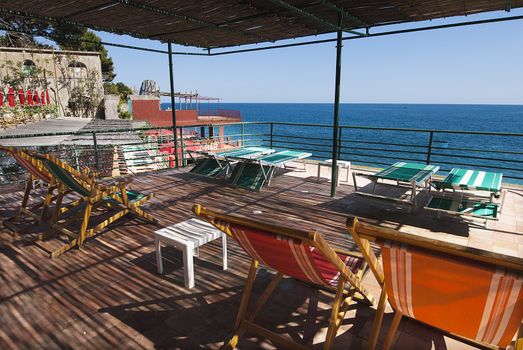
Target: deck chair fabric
{"type": "Point", "coordinates": [253, 173]}
{"type": "Point", "coordinates": [209, 167]}
{"type": "Point", "coordinates": [37, 171]}
{"type": "Point", "coordinates": [249, 175]}
{"type": "Point", "coordinates": [302, 255]}
{"type": "Point", "coordinates": [214, 163]}
{"type": "Point", "coordinates": [115, 197]}
{"type": "Point", "coordinates": [467, 296]}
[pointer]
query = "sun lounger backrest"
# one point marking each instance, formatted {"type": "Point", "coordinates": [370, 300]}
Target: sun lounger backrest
{"type": "Point", "coordinates": [65, 174]}
{"type": "Point", "coordinates": [476, 298]}
{"type": "Point", "coordinates": [302, 255]}
{"type": "Point", "coordinates": [29, 163]}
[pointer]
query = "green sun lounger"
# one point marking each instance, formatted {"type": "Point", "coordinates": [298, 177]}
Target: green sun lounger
{"type": "Point", "coordinates": [254, 173]}
{"type": "Point", "coordinates": [413, 175]}
{"type": "Point", "coordinates": [472, 194]}
{"type": "Point", "coordinates": [464, 207]}
{"type": "Point", "coordinates": [214, 163]}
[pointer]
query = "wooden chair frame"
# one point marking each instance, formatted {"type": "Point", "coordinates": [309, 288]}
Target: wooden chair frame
{"type": "Point", "coordinates": [112, 196]}
{"type": "Point", "coordinates": [343, 297]}
{"type": "Point", "coordinates": [364, 233]}
{"type": "Point", "coordinates": [37, 171]}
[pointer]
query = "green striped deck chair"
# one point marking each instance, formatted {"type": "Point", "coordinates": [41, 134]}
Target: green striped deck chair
{"type": "Point", "coordinates": [480, 204]}
{"type": "Point", "coordinates": [209, 167]}
{"type": "Point", "coordinates": [413, 175]}
{"type": "Point", "coordinates": [472, 180]}
{"type": "Point", "coordinates": [466, 207]}
{"type": "Point", "coordinates": [254, 173]}
{"type": "Point", "coordinates": [214, 163]}
{"type": "Point", "coordinates": [116, 197]}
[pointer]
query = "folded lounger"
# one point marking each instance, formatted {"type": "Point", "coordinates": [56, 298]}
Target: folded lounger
{"type": "Point", "coordinates": [214, 163]}
{"type": "Point", "coordinates": [302, 255]}
{"type": "Point", "coordinates": [254, 173]}
{"type": "Point", "coordinates": [468, 294]}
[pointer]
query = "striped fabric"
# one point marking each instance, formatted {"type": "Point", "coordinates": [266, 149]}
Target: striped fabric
{"type": "Point", "coordinates": [208, 167]}
{"type": "Point", "coordinates": [290, 256]}
{"type": "Point", "coordinates": [473, 180]}
{"type": "Point", "coordinates": [282, 157]}
{"type": "Point", "coordinates": [30, 164]}
{"type": "Point", "coordinates": [65, 177]}
{"type": "Point", "coordinates": [466, 298]}
{"type": "Point", "coordinates": [464, 207]}
{"type": "Point", "coordinates": [249, 176]}
{"type": "Point", "coordinates": [247, 152]}
{"type": "Point", "coordinates": [407, 172]}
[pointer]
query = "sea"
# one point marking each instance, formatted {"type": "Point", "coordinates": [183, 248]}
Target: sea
{"type": "Point", "coordinates": [382, 147]}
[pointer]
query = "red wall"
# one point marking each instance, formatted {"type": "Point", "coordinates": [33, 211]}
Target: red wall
{"type": "Point", "coordinates": [149, 110]}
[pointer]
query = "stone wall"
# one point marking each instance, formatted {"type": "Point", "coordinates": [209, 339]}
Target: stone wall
{"type": "Point", "coordinates": [63, 70]}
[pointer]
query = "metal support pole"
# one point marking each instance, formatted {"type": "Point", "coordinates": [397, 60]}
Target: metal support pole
{"type": "Point", "coordinates": [173, 106]}
{"type": "Point", "coordinates": [429, 148]}
{"type": "Point", "coordinates": [96, 155]}
{"type": "Point", "coordinates": [334, 176]}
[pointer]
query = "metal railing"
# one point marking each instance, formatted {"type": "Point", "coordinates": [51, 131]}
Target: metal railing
{"type": "Point", "coordinates": [128, 151]}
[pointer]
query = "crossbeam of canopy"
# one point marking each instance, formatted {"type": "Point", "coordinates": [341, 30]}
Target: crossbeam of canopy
{"type": "Point", "coordinates": [216, 23]}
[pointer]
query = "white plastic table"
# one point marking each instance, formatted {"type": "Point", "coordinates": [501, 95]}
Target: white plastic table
{"type": "Point", "coordinates": [341, 164]}
{"type": "Point", "coordinates": [187, 236]}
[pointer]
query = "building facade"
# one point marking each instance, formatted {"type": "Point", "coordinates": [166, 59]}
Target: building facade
{"type": "Point", "coordinates": [72, 79]}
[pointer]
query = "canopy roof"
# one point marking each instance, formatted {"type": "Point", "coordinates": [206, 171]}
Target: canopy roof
{"type": "Point", "coordinates": [221, 23]}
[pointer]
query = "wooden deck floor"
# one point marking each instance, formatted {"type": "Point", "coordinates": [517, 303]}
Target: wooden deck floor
{"type": "Point", "coordinates": [109, 295]}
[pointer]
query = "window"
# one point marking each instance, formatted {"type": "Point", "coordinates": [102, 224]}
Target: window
{"type": "Point", "coordinates": [77, 69]}
{"type": "Point", "coordinates": [28, 67]}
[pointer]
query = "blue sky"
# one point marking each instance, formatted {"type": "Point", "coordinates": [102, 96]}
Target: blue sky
{"type": "Point", "coordinates": [474, 64]}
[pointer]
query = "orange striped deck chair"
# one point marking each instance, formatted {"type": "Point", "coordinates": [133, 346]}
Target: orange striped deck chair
{"type": "Point", "coordinates": [472, 295]}
{"type": "Point", "coordinates": [36, 171]}
{"type": "Point", "coordinates": [116, 197]}
{"type": "Point", "coordinates": [303, 255]}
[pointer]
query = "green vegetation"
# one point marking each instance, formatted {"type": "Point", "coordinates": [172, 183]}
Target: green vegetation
{"type": "Point", "coordinates": [123, 91]}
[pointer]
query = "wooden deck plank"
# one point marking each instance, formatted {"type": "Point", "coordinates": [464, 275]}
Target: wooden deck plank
{"type": "Point", "coordinates": [108, 294]}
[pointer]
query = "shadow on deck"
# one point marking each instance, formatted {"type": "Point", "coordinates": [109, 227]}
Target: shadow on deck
{"type": "Point", "coordinates": [108, 294]}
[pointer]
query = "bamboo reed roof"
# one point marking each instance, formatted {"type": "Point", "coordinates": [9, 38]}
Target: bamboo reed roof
{"type": "Point", "coordinates": [221, 23]}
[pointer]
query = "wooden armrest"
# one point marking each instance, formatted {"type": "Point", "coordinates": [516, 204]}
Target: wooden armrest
{"type": "Point", "coordinates": [348, 252]}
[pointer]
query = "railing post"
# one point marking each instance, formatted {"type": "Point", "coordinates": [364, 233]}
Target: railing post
{"type": "Point", "coordinates": [182, 147]}
{"type": "Point", "coordinates": [96, 156]}
{"type": "Point", "coordinates": [243, 135]}
{"type": "Point", "coordinates": [339, 141]}
{"type": "Point", "coordinates": [272, 129]}
{"type": "Point", "coordinates": [429, 147]}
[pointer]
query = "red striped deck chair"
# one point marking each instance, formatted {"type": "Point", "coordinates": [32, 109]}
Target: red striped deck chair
{"type": "Point", "coordinates": [303, 255]}
{"type": "Point", "coordinates": [36, 171]}
{"type": "Point", "coordinates": [468, 294]}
